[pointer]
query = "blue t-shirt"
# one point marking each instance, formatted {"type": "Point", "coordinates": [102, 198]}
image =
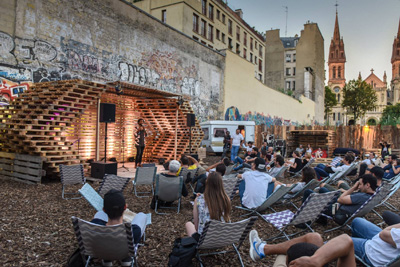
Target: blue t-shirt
{"type": "Point", "coordinates": [357, 199]}
{"type": "Point", "coordinates": [390, 174]}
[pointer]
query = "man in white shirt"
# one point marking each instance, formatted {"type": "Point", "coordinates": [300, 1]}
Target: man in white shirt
{"type": "Point", "coordinates": [254, 187]}
{"type": "Point", "coordinates": [373, 245]}
{"type": "Point", "coordinates": [236, 141]}
{"type": "Point", "coordinates": [370, 160]}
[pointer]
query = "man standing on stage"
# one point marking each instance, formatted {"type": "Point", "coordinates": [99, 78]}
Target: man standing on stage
{"type": "Point", "coordinates": [140, 136]}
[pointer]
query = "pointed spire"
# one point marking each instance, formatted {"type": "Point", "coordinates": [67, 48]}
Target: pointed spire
{"type": "Point", "coordinates": [336, 32]}
{"type": "Point", "coordinates": [384, 77]}
{"type": "Point", "coordinates": [359, 75]}
{"type": "Point", "coordinates": [398, 33]}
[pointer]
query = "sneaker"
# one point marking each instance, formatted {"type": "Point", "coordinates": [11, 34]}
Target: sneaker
{"type": "Point", "coordinates": [255, 242]}
{"type": "Point", "coordinates": [107, 263]}
{"type": "Point", "coordinates": [126, 262]}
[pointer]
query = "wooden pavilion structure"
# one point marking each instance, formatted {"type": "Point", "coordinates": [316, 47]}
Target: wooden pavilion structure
{"type": "Point", "coordinates": [59, 122]}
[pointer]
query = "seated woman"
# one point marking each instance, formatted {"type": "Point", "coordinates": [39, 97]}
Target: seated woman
{"type": "Point", "coordinates": [309, 149]}
{"type": "Point", "coordinates": [306, 158]}
{"type": "Point", "coordinates": [319, 153]}
{"type": "Point", "coordinates": [296, 165]}
{"type": "Point", "coordinates": [214, 204]}
{"type": "Point", "coordinates": [308, 174]}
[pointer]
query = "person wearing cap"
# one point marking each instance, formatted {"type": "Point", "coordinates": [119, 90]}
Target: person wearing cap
{"type": "Point", "coordinates": [112, 214]}
{"type": "Point", "coordinates": [253, 190]}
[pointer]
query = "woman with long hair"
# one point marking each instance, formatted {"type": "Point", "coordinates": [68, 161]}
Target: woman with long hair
{"type": "Point", "coordinates": [214, 204]}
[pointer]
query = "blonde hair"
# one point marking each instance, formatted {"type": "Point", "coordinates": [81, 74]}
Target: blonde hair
{"type": "Point", "coordinates": [307, 155]}
{"type": "Point", "coordinates": [218, 202]}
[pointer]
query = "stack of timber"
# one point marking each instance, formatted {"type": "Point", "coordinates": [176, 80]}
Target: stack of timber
{"type": "Point", "coordinates": [324, 139]}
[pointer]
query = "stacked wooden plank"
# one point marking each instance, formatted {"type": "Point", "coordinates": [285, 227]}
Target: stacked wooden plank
{"type": "Point", "coordinates": [324, 139]}
{"type": "Point", "coordinates": [22, 168]}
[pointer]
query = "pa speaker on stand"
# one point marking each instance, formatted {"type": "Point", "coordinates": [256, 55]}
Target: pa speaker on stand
{"type": "Point", "coordinates": [190, 122]}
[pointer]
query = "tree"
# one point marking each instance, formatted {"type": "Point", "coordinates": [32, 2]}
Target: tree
{"type": "Point", "coordinates": [391, 115]}
{"type": "Point", "coordinates": [330, 101]}
{"type": "Point", "coordinates": [358, 98]}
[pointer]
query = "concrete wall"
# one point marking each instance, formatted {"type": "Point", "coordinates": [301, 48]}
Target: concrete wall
{"type": "Point", "coordinates": [44, 40]}
{"type": "Point", "coordinates": [274, 60]}
{"type": "Point", "coordinates": [258, 102]}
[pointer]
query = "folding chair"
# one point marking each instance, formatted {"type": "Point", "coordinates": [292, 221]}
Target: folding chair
{"type": "Point", "coordinates": [229, 169]}
{"type": "Point", "coordinates": [71, 175]}
{"type": "Point", "coordinates": [112, 181]}
{"type": "Point", "coordinates": [369, 205]}
{"type": "Point", "coordinates": [342, 174]}
{"type": "Point", "coordinates": [274, 198]}
{"type": "Point", "coordinates": [311, 209]}
{"type": "Point", "coordinates": [231, 184]}
{"type": "Point", "coordinates": [168, 189]}
{"type": "Point", "coordinates": [217, 235]}
{"type": "Point", "coordinates": [144, 176]}
{"type": "Point", "coordinates": [394, 263]}
{"type": "Point", "coordinates": [396, 186]}
{"type": "Point", "coordinates": [281, 173]}
{"type": "Point", "coordinates": [105, 242]}
{"type": "Point", "coordinates": [295, 197]}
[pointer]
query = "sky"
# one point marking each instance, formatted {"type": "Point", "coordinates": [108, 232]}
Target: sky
{"type": "Point", "coordinates": [368, 27]}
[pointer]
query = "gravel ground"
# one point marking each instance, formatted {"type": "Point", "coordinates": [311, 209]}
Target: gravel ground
{"type": "Point", "coordinates": [36, 229]}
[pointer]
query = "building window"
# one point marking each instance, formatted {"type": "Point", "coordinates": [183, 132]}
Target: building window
{"type": "Point", "coordinates": [287, 71]}
{"type": "Point", "coordinates": [204, 43]}
{"type": "Point", "coordinates": [338, 98]}
{"type": "Point", "coordinates": [230, 26]}
{"type": "Point", "coordinates": [259, 65]}
{"type": "Point", "coordinates": [237, 48]}
{"type": "Point", "coordinates": [245, 38]}
{"type": "Point", "coordinates": [251, 43]}
{"type": "Point", "coordinates": [223, 18]}
{"type": "Point", "coordinates": [218, 15]}
{"type": "Point", "coordinates": [288, 85]}
{"type": "Point", "coordinates": [338, 116]}
{"type": "Point", "coordinates": [230, 43]}
{"type": "Point", "coordinates": [251, 57]}
{"type": "Point", "coordinates": [245, 53]}
{"type": "Point", "coordinates": [195, 37]}
{"type": "Point", "coordinates": [260, 77]}
{"type": "Point", "coordinates": [339, 72]}
{"type": "Point", "coordinates": [237, 33]}
{"type": "Point", "coordinates": [204, 7]}
{"type": "Point", "coordinates": [164, 16]}
{"type": "Point", "coordinates": [255, 60]}
{"type": "Point", "coordinates": [294, 85]}
{"type": "Point", "coordinates": [334, 72]}
{"type": "Point", "coordinates": [217, 34]}
{"type": "Point", "coordinates": [211, 12]}
{"type": "Point", "coordinates": [288, 57]}
{"type": "Point", "coordinates": [203, 28]}
{"type": "Point", "coordinates": [255, 45]}
{"type": "Point", "coordinates": [223, 37]}
{"type": "Point", "coordinates": [260, 51]}
{"type": "Point", "coordinates": [210, 32]}
{"type": "Point", "coordinates": [195, 23]}
{"type": "Point", "coordinates": [334, 115]}
{"type": "Point", "coordinates": [294, 57]}
{"type": "Point", "coordinates": [294, 71]}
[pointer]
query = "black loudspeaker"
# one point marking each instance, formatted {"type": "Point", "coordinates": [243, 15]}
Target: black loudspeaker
{"type": "Point", "coordinates": [190, 119]}
{"type": "Point", "coordinates": [99, 168]}
{"type": "Point", "coordinates": [107, 112]}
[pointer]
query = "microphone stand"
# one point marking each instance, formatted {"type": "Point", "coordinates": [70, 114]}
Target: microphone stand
{"type": "Point", "coordinates": [123, 150]}
{"type": "Point", "coordinates": [78, 140]}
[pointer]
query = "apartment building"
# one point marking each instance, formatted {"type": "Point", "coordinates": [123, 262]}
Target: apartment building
{"type": "Point", "coordinates": [212, 23]}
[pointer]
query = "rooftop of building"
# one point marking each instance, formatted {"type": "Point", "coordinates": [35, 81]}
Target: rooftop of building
{"type": "Point", "coordinates": [290, 42]}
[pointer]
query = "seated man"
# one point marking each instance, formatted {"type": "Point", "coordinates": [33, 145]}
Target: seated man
{"type": "Point", "coordinates": [279, 162]}
{"type": "Point", "coordinates": [324, 171]}
{"type": "Point", "coordinates": [350, 200]}
{"type": "Point", "coordinates": [305, 251]}
{"type": "Point", "coordinates": [225, 161]}
{"type": "Point", "coordinates": [112, 214]}
{"type": "Point", "coordinates": [373, 245]}
{"type": "Point", "coordinates": [247, 161]}
{"type": "Point", "coordinates": [254, 188]}
{"type": "Point", "coordinates": [370, 160]}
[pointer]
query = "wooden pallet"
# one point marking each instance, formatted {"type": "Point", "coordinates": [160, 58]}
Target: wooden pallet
{"type": "Point", "coordinates": [22, 168]}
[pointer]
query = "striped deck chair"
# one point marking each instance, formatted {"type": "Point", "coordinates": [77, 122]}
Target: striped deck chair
{"type": "Point", "coordinates": [394, 263]}
{"type": "Point", "coordinates": [168, 189]}
{"type": "Point", "coordinates": [105, 242]}
{"type": "Point", "coordinates": [218, 235]}
{"type": "Point", "coordinates": [112, 181]}
{"type": "Point", "coordinates": [274, 198]}
{"type": "Point", "coordinates": [71, 175]}
{"type": "Point", "coordinates": [231, 184]}
{"type": "Point", "coordinates": [229, 169]}
{"type": "Point", "coordinates": [396, 186]}
{"type": "Point", "coordinates": [369, 205]}
{"type": "Point", "coordinates": [311, 209]}
{"type": "Point", "coordinates": [296, 196]}
{"type": "Point", "coordinates": [281, 173]}
{"type": "Point", "coordinates": [144, 176]}
{"type": "Point", "coordinates": [343, 174]}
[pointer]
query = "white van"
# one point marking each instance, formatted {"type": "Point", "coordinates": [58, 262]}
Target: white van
{"type": "Point", "coordinates": [214, 132]}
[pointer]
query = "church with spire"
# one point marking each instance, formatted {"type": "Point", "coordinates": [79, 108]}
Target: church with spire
{"type": "Point", "coordinates": [394, 96]}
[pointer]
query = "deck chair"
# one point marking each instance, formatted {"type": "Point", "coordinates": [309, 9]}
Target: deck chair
{"type": "Point", "coordinates": [394, 263]}
{"type": "Point", "coordinates": [231, 184]}
{"type": "Point", "coordinates": [295, 197]}
{"type": "Point", "coordinates": [229, 169]}
{"type": "Point", "coordinates": [369, 205]}
{"type": "Point", "coordinates": [342, 174]}
{"type": "Point", "coordinates": [112, 181]}
{"type": "Point", "coordinates": [296, 174]}
{"type": "Point", "coordinates": [396, 186]}
{"type": "Point", "coordinates": [311, 209]}
{"type": "Point", "coordinates": [144, 176]}
{"type": "Point", "coordinates": [168, 189]}
{"type": "Point", "coordinates": [71, 175]}
{"type": "Point", "coordinates": [217, 235]}
{"type": "Point", "coordinates": [274, 198]}
{"type": "Point", "coordinates": [105, 242]}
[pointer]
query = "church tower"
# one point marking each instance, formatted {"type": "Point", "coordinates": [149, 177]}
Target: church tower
{"type": "Point", "coordinates": [336, 65]}
{"type": "Point", "coordinates": [395, 83]}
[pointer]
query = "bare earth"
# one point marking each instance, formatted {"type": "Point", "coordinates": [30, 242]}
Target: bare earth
{"type": "Point", "coordinates": [36, 229]}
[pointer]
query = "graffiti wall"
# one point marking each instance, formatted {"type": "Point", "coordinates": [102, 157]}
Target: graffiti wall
{"type": "Point", "coordinates": [100, 41]}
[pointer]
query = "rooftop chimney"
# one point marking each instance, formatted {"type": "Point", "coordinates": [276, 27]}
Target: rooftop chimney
{"type": "Point", "coordinates": [239, 12]}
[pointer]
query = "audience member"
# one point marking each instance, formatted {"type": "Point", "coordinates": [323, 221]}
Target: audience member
{"type": "Point", "coordinates": [306, 158]}
{"type": "Point", "coordinates": [246, 163]}
{"type": "Point", "coordinates": [227, 144]}
{"type": "Point", "coordinates": [370, 160]}
{"type": "Point", "coordinates": [324, 171]}
{"type": "Point", "coordinates": [279, 163]}
{"type": "Point", "coordinates": [309, 149]}
{"type": "Point", "coordinates": [386, 150]}
{"type": "Point", "coordinates": [308, 174]}
{"type": "Point", "coordinates": [300, 149]}
{"type": "Point", "coordinates": [393, 168]}
{"type": "Point", "coordinates": [296, 165]}
{"type": "Point", "coordinates": [319, 153]}
{"type": "Point", "coordinates": [236, 141]}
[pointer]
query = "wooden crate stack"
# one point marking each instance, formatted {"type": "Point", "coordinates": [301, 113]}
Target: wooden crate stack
{"type": "Point", "coordinates": [36, 122]}
{"type": "Point", "coordinates": [316, 138]}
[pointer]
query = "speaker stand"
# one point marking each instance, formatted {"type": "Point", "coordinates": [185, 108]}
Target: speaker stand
{"type": "Point", "coordinates": [190, 140]}
{"type": "Point", "coordinates": [123, 151]}
{"type": "Point", "coordinates": [105, 144]}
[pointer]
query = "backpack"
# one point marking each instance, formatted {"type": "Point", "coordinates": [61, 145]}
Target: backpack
{"type": "Point", "coordinates": [183, 251]}
{"type": "Point", "coordinates": [75, 259]}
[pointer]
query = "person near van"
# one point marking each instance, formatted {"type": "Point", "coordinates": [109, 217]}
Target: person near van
{"type": "Point", "coordinates": [227, 144]}
{"type": "Point", "coordinates": [237, 140]}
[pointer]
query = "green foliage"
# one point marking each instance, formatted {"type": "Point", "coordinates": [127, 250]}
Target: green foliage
{"type": "Point", "coordinates": [358, 98]}
{"type": "Point", "coordinates": [391, 115]}
{"type": "Point", "coordinates": [330, 100]}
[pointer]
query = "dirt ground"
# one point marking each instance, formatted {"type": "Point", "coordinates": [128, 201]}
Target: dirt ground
{"type": "Point", "coordinates": [36, 228]}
